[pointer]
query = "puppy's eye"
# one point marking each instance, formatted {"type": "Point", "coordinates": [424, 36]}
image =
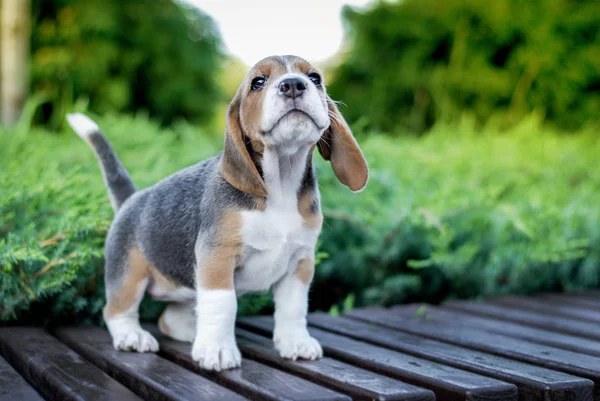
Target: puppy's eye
{"type": "Point", "coordinates": [315, 78]}
{"type": "Point", "coordinates": [258, 83]}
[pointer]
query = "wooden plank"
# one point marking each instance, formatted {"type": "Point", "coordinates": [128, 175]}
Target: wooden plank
{"type": "Point", "coordinates": [147, 374]}
{"type": "Point", "coordinates": [448, 383]}
{"type": "Point", "coordinates": [357, 383]}
{"type": "Point", "coordinates": [551, 338]}
{"type": "Point", "coordinates": [534, 383]}
{"type": "Point", "coordinates": [591, 295]}
{"type": "Point", "coordinates": [13, 387]}
{"type": "Point", "coordinates": [566, 361]}
{"type": "Point", "coordinates": [528, 318]}
{"type": "Point", "coordinates": [254, 380]}
{"type": "Point", "coordinates": [546, 308]}
{"type": "Point", "coordinates": [57, 372]}
{"type": "Point", "coordinates": [572, 299]}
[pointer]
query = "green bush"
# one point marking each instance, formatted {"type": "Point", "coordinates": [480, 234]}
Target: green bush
{"type": "Point", "coordinates": [123, 56]}
{"type": "Point", "coordinates": [54, 212]}
{"type": "Point", "coordinates": [412, 63]}
{"type": "Point", "coordinates": [460, 213]}
{"type": "Point", "coordinates": [452, 214]}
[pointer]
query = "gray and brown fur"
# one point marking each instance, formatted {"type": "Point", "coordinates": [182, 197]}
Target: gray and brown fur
{"type": "Point", "coordinates": [153, 237]}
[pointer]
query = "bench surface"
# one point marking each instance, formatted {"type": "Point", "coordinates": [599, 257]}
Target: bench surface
{"type": "Point", "coordinates": [543, 348]}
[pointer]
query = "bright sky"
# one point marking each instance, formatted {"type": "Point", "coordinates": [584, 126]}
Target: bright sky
{"type": "Point", "coordinates": [311, 29]}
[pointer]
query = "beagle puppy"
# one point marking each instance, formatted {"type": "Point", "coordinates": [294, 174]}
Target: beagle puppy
{"type": "Point", "coordinates": [246, 220]}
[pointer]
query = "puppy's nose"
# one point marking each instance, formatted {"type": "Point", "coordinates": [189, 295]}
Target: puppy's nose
{"type": "Point", "coordinates": [292, 87]}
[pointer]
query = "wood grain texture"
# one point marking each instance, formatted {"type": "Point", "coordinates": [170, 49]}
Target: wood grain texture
{"type": "Point", "coordinates": [534, 382]}
{"type": "Point", "coordinates": [543, 348]}
{"type": "Point", "coordinates": [358, 383]}
{"type": "Point", "coordinates": [147, 374]}
{"type": "Point", "coordinates": [528, 318]}
{"type": "Point", "coordinates": [254, 380]}
{"type": "Point", "coordinates": [540, 336]}
{"type": "Point", "coordinates": [448, 383]}
{"type": "Point", "coordinates": [57, 372]}
{"type": "Point", "coordinates": [548, 308]}
{"type": "Point", "coordinates": [557, 359]}
{"type": "Point", "coordinates": [572, 299]}
{"type": "Point", "coordinates": [13, 387]}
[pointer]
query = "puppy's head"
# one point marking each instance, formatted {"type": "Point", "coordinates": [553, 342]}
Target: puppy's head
{"type": "Point", "coordinates": [282, 105]}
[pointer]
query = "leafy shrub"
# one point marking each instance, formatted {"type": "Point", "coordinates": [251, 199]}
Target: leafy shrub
{"type": "Point", "coordinates": [123, 56]}
{"type": "Point", "coordinates": [54, 212]}
{"type": "Point", "coordinates": [452, 214]}
{"type": "Point", "coordinates": [414, 62]}
{"type": "Point", "coordinates": [459, 213]}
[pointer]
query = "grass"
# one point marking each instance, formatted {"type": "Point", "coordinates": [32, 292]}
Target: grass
{"type": "Point", "coordinates": [456, 213]}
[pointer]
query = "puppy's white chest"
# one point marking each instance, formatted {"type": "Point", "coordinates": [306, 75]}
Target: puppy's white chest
{"type": "Point", "coordinates": [274, 241]}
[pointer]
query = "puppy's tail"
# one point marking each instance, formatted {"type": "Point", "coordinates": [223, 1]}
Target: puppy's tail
{"type": "Point", "coordinates": [116, 178]}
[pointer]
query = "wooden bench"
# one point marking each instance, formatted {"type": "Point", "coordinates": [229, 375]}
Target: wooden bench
{"type": "Point", "coordinates": [542, 348]}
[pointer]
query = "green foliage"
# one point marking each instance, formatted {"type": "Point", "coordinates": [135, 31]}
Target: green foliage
{"type": "Point", "coordinates": [54, 211]}
{"type": "Point", "coordinates": [460, 213]}
{"type": "Point", "coordinates": [452, 214]}
{"type": "Point", "coordinates": [158, 56]}
{"type": "Point", "coordinates": [415, 62]}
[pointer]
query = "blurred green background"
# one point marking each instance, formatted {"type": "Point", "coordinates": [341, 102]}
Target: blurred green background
{"type": "Point", "coordinates": [479, 121]}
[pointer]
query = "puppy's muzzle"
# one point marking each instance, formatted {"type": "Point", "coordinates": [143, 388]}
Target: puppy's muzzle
{"type": "Point", "coordinates": [292, 87]}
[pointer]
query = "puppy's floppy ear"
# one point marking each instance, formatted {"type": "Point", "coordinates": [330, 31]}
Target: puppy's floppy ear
{"type": "Point", "coordinates": [339, 146]}
{"type": "Point", "coordinates": [237, 166]}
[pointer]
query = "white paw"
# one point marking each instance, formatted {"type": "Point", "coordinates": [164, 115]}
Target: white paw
{"type": "Point", "coordinates": [217, 355]}
{"type": "Point", "coordinates": [136, 340]}
{"type": "Point", "coordinates": [298, 346]}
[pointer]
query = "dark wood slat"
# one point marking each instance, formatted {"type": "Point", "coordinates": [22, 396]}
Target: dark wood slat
{"type": "Point", "coordinates": [545, 308]}
{"type": "Point", "coordinates": [566, 361]}
{"type": "Point", "coordinates": [254, 380]}
{"type": "Point", "coordinates": [591, 295]}
{"type": "Point", "coordinates": [534, 382]}
{"type": "Point", "coordinates": [13, 387]}
{"type": "Point", "coordinates": [551, 338]}
{"type": "Point", "coordinates": [357, 383]}
{"type": "Point", "coordinates": [527, 318]}
{"type": "Point", "coordinates": [572, 299]}
{"type": "Point", "coordinates": [147, 374]}
{"type": "Point", "coordinates": [57, 372]}
{"type": "Point", "coordinates": [446, 382]}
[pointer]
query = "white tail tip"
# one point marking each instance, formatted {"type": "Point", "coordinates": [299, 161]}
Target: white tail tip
{"type": "Point", "coordinates": [82, 125]}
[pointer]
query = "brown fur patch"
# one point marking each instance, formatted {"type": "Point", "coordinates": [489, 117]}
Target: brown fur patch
{"type": "Point", "coordinates": [216, 271]}
{"type": "Point", "coordinates": [302, 66]}
{"type": "Point", "coordinates": [339, 146]}
{"type": "Point", "coordinates": [305, 270]}
{"type": "Point", "coordinates": [251, 102]}
{"type": "Point", "coordinates": [238, 167]}
{"type": "Point", "coordinates": [160, 280]}
{"type": "Point", "coordinates": [260, 203]}
{"type": "Point", "coordinates": [312, 217]}
{"type": "Point", "coordinates": [128, 292]}
{"type": "Point", "coordinates": [138, 268]}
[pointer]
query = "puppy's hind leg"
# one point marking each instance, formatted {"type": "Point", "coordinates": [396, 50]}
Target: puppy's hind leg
{"type": "Point", "coordinates": [178, 322]}
{"type": "Point", "coordinates": [125, 287]}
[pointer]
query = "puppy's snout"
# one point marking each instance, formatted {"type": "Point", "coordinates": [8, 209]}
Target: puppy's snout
{"type": "Point", "coordinates": [292, 87]}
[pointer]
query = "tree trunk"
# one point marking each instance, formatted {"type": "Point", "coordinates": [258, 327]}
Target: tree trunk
{"type": "Point", "coordinates": [14, 53]}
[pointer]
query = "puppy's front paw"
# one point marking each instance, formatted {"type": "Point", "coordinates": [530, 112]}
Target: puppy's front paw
{"type": "Point", "coordinates": [298, 346]}
{"type": "Point", "coordinates": [135, 340]}
{"type": "Point", "coordinates": [217, 355]}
